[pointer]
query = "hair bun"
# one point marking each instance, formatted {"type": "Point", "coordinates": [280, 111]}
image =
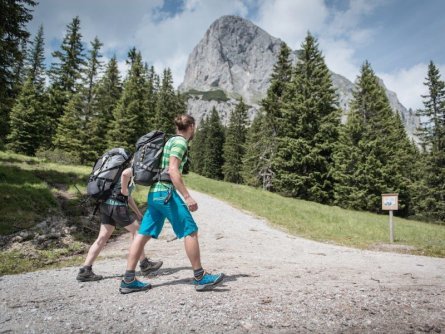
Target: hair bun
{"type": "Point", "coordinates": [184, 121]}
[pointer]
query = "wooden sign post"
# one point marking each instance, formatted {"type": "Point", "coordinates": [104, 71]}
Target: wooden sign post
{"type": "Point", "coordinates": [390, 202]}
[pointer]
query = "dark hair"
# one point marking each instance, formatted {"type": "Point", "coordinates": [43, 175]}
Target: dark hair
{"type": "Point", "coordinates": [183, 122]}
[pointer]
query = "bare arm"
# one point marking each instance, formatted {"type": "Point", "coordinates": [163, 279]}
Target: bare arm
{"type": "Point", "coordinates": [125, 180]}
{"type": "Point", "coordinates": [176, 177]}
{"type": "Point", "coordinates": [134, 207]}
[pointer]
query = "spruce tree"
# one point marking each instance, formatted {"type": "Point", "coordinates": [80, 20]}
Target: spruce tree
{"type": "Point", "coordinates": [213, 147]}
{"type": "Point", "coordinates": [29, 118]}
{"type": "Point", "coordinates": [280, 79]}
{"type": "Point", "coordinates": [256, 170]}
{"type": "Point", "coordinates": [198, 145]}
{"type": "Point", "coordinates": [27, 121]}
{"type": "Point", "coordinates": [13, 35]}
{"type": "Point", "coordinates": [234, 145]}
{"type": "Point", "coordinates": [429, 198]}
{"type": "Point", "coordinates": [432, 116]}
{"type": "Point", "coordinates": [92, 70]}
{"type": "Point", "coordinates": [303, 162]}
{"type": "Point", "coordinates": [107, 94]}
{"type": "Point", "coordinates": [374, 154]}
{"type": "Point", "coordinates": [166, 104]}
{"type": "Point", "coordinates": [152, 94]}
{"type": "Point", "coordinates": [129, 116]}
{"type": "Point", "coordinates": [66, 73]}
{"type": "Point", "coordinates": [68, 137]}
{"type": "Point", "coordinates": [348, 162]}
{"type": "Point", "coordinates": [90, 115]}
{"type": "Point", "coordinates": [262, 137]}
{"type": "Point", "coordinates": [36, 61]}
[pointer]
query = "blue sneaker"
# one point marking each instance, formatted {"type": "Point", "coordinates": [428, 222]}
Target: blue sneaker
{"type": "Point", "coordinates": [134, 286]}
{"type": "Point", "coordinates": [208, 281]}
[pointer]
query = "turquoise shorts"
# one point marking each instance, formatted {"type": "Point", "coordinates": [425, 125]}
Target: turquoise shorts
{"type": "Point", "coordinates": [175, 210]}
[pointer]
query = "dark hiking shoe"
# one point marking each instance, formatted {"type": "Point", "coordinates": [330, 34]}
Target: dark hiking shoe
{"type": "Point", "coordinates": [133, 286]}
{"type": "Point", "coordinates": [87, 276]}
{"type": "Point", "coordinates": [208, 281]}
{"type": "Point", "coordinates": [148, 266]}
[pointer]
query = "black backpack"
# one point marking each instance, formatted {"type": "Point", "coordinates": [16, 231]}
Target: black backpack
{"type": "Point", "coordinates": [106, 172]}
{"type": "Point", "coordinates": [148, 157]}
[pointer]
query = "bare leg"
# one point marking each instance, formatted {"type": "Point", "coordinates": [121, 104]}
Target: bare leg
{"type": "Point", "coordinates": [104, 234]}
{"type": "Point", "coordinates": [136, 249]}
{"type": "Point", "coordinates": [133, 228]}
{"type": "Point", "coordinates": [192, 249]}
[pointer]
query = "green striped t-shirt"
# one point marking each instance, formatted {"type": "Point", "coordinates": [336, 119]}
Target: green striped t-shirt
{"type": "Point", "coordinates": [176, 147]}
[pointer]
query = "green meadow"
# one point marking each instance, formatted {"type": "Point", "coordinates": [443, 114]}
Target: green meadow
{"type": "Point", "coordinates": [327, 223]}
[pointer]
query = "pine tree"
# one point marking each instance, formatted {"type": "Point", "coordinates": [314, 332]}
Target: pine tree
{"type": "Point", "coordinates": [29, 116]}
{"type": "Point", "coordinates": [68, 138]}
{"type": "Point", "coordinates": [181, 103]}
{"type": "Point", "coordinates": [107, 94]}
{"type": "Point", "coordinates": [36, 61]}
{"type": "Point", "coordinates": [129, 116]}
{"type": "Point", "coordinates": [213, 147]}
{"type": "Point", "coordinates": [374, 153]}
{"type": "Point", "coordinates": [303, 163]}
{"type": "Point", "coordinates": [166, 104]}
{"type": "Point", "coordinates": [234, 145]}
{"type": "Point", "coordinates": [256, 170]}
{"type": "Point", "coordinates": [90, 115]}
{"type": "Point", "coordinates": [197, 149]}
{"type": "Point", "coordinates": [27, 122]}
{"type": "Point", "coordinates": [13, 35]}
{"type": "Point", "coordinates": [280, 79]}
{"type": "Point", "coordinates": [348, 163]}
{"type": "Point", "coordinates": [66, 73]}
{"type": "Point", "coordinates": [93, 69]}
{"type": "Point", "coordinates": [152, 94]}
{"type": "Point", "coordinates": [429, 198]}
{"type": "Point", "coordinates": [431, 131]}
{"type": "Point", "coordinates": [262, 137]}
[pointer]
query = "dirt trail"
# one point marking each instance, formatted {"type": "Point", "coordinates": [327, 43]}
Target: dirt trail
{"type": "Point", "coordinates": [276, 283]}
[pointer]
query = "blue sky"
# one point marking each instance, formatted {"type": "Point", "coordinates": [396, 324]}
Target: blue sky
{"type": "Point", "coordinates": [398, 37]}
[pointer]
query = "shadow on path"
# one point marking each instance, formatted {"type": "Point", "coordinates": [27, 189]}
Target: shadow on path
{"type": "Point", "coordinates": [160, 272]}
{"type": "Point", "coordinates": [227, 278]}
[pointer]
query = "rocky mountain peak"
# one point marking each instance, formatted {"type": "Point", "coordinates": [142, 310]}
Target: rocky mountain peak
{"type": "Point", "coordinates": [234, 55]}
{"type": "Point", "coordinates": [235, 58]}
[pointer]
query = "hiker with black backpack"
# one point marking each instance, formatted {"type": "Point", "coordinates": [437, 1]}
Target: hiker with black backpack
{"type": "Point", "coordinates": [111, 184]}
{"type": "Point", "coordinates": [165, 202]}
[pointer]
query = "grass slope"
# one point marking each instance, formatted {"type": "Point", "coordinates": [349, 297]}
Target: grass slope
{"type": "Point", "coordinates": [327, 223]}
{"type": "Point", "coordinates": [29, 186]}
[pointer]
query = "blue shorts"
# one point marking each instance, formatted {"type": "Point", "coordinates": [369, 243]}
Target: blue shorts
{"type": "Point", "coordinates": [176, 211]}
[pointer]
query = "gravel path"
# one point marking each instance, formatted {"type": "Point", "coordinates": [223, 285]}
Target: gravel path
{"type": "Point", "coordinates": [276, 283]}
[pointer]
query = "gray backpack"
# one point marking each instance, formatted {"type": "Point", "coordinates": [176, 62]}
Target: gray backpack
{"type": "Point", "coordinates": [148, 157]}
{"type": "Point", "coordinates": [106, 172]}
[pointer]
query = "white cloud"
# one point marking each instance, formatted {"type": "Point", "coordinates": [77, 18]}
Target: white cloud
{"type": "Point", "coordinates": [408, 84]}
{"type": "Point", "coordinates": [123, 68]}
{"type": "Point", "coordinates": [338, 32]}
{"type": "Point", "coordinates": [169, 42]}
{"type": "Point", "coordinates": [290, 20]}
{"type": "Point", "coordinates": [346, 23]}
{"type": "Point", "coordinates": [339, 56]}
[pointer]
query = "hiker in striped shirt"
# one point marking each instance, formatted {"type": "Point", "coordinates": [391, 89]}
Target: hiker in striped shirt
{"type": "Point", "coordinates": [165, 202]}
